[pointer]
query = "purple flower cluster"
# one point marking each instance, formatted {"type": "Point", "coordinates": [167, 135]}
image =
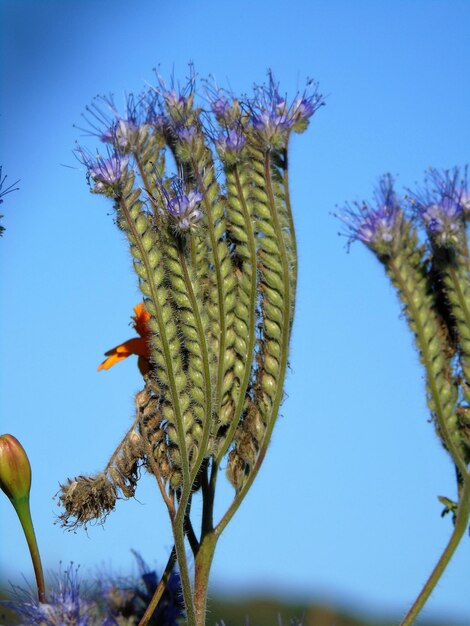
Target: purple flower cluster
{"type": "Point", "coordinates": [443, 205]}
{"type": "Point", "coordinates": [184, 208]}
{"type": "Point", "coordinates": [130, 598]}
{"type": "Point", "coordinates": [108, 603]}
{"type": "Point", "coordinates": [65, 606]}
{"type": "Point", "coordinates": [443, 221]}
{"type": "Point", "coordinates": [107, 173]}
{"type": "Point", "coordinates": [122, 134]}
{"type": "Point", "coordinates": [273, 118]}
{"type": "Point", "coordinates": [377, 227]}
{"type": "Point", "coordinates": [230, 143]}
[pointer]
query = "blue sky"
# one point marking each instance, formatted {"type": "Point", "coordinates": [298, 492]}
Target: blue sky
{"type": "Point", "coordinates": [345, 506]}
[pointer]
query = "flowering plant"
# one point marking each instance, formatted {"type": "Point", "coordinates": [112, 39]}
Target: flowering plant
{"type": "Point", "coordinates": [432, 279]}
{"type": "Point", "coordinates": [214, 250]}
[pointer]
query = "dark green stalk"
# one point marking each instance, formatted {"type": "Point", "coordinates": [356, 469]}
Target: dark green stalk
{"type": "Point", "coordinates": [159, 590]}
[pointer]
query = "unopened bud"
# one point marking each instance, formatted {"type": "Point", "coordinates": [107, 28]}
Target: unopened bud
{"type": "Point", "coordinates": [15, 470]}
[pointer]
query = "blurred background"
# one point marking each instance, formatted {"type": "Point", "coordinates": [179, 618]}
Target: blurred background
{"type": "Point", "coordinates": [344, 511]}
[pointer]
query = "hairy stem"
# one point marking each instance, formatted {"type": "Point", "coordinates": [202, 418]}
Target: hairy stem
{"type": "Point", "coordinates": [461, 523]}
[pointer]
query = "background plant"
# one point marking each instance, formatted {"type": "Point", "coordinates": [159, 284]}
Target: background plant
{"type": "Point", "coordinates": [432, 279]}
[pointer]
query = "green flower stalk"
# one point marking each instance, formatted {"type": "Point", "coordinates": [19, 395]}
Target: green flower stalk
{"type": "Point", "coordinates": [432, 280]}
{"type": "Point", "coordinates": [15, 482]}
{"type": "Point", "coordinates": [215, 254]}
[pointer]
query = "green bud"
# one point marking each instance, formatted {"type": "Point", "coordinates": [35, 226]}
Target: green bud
{"type": "Point", "coordinates": [15, 470]}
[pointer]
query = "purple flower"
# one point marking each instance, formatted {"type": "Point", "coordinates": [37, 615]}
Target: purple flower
{"type": "Point", "coordinates": [443, 221]}
{"type": "Point", "coordinates": [442, 205]}
{"type": "Point", "coordinates": [107, 173]}
{"type": "Point", "coordinates": [186, 134]}
{"type": "Point", "coordinates": [65, 607]}
{"type": "Point", "coordinates": [184, 208]}
{"type": "Point", "coordinates": [130, 598]}
{"type": "Point", "coordinates": [122, 134]}
{"type": "Point", "coordinates": [220, 106]}
{"type": "Point", "coordinates": [377, 227]}
{"type": "Point", "coordinates": [273, 118]}
{"type": "Point", "coordinates": [465, 201]}
{"type": "Point", "coordinates": [230, 143]}
{"type": "Point", "coordinates": [303, 108]}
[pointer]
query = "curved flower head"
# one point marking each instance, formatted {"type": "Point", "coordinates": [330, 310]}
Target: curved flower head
{"type": "Point", "coordinates": [137, 345]}
{"type": "Point", "coordinates": [443, 221]}
{"type": "Point", "coordinates": [273, 118]}
{"type": "Point", "coordinates": [107, 174]}
{"type": "Point", "coordinates": [124, 132]}
{"type": "Point", "coordinates": [224, 106]}
{"type": "Point", "coordinates": [377, 227]}
{"type": "Point", "coordinates": [442, 206]}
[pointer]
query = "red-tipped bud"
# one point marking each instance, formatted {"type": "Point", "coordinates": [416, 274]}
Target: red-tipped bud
{"type": "Point", "coordinates": [15, 470]}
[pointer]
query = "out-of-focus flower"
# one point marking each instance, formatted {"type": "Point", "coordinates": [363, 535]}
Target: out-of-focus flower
{"type": "Point", "coordinates": [64, 606]}
{"type": "Point", "coordinates": [230, 143]}
{"type": "Point", "coordinates": [443, 221]}
{"type": "Point", "coordinates": [137, 345]}
{"type": "Point", "coordinates": [220, 106]}
{"type": "Point", "coordinates": [128, 599]}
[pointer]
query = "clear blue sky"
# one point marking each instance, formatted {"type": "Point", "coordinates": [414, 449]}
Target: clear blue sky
{"type": "Point", "coordinates": [345, 507]}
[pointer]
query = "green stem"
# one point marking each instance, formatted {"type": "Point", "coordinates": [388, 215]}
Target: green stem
{"type": "Point", "coordinates": [461, 523]}
{"type": "Point", "coordinates": [203, 564]}
{"type": "Point", "coordinates": [159, 590]}
{"type": "Point", "coordinates": [178, 534]}
{"type": "Point", "coordinates": [24, 514]}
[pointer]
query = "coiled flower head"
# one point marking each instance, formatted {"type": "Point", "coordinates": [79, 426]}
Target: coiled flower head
{"type": "Point", "coordinates": [107, 174]}
{"type": "Point", "coordinates": [442, 206]}
{"type": "Point", "coordinates": [376, 226]}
